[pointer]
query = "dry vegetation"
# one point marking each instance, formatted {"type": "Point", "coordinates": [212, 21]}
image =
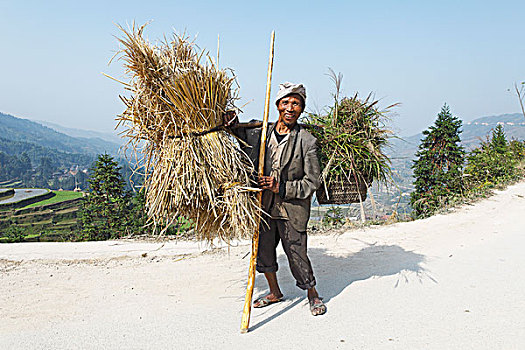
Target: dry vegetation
{"type": "Point", "coordinates": [352, 136]}
{"type": "Point", "coordinates": [173, 119]}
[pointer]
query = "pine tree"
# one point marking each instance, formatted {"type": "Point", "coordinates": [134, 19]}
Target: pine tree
{"type": "Point", "coordinates": [499, 142]}
{"type": "Point", "coordinates": [439, 163]}
{"type": "Point", "coordinates": [105, 212]}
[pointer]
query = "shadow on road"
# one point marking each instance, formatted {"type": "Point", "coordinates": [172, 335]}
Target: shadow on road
{"type": "Point", "coordinates": [336, 272]}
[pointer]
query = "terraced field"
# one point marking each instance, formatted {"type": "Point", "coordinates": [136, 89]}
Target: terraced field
{"type": "Point", "coordinates": [25, 196]}
{"type": "Point", "coordinates": [10, 183]}
{"type": "Point", "coordinates": [51, 219]}
{"type": "Point", "coordinates": [60, 196]}
{"type": "Point", "coordinates": [6, 193]}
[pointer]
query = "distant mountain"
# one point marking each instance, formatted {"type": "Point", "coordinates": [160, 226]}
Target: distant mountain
{"type": "Point", "coordinates": [23, 130]}
{"type": "Point", "coordinates": [513, 124]}
{"type": "Point", "coordinates": [34, 155]}
{"type": "Point", "coordinates": [79, 133]}
{"type": "Point", "coordinates": [36, 152]}
{"type": "Point", "coordinates": [473, 133]}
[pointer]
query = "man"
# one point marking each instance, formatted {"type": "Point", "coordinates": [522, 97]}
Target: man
{"type": "Point", "coordinates": [291, 176]}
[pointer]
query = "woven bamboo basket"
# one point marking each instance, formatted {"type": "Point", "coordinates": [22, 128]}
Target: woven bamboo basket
{"type": "Point", "coordinates": [345, 192]}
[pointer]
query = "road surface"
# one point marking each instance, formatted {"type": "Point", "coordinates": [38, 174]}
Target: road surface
{"type": "Point", "coordinates": [452, 281]}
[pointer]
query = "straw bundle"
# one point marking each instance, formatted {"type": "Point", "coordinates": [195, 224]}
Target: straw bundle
{"type": "Point", "coordinates": [174, 119]}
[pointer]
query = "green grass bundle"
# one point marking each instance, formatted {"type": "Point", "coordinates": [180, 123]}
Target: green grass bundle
{"type": "Point", "coordinates": [352, 136]}
{"type": "Point", "coordinates": [173, 118]}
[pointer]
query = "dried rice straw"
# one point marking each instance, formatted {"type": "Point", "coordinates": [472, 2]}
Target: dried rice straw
{"type": "Point", "coordinates": [177, 106]}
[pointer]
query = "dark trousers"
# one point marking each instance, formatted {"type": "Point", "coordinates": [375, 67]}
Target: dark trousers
{"type": "Point", "coordinates": [294, 244]}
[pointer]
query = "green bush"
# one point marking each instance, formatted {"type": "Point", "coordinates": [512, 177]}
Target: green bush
{"type": "Point", "coordinates": [334, 217]}
{"type": "Point", "coordinates": [493, 162]}
{"type": "Point", "coordinates": [13, 234]}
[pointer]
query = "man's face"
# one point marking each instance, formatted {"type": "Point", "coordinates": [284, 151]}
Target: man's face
{"type": "Point", "coordinates": [290, 108]}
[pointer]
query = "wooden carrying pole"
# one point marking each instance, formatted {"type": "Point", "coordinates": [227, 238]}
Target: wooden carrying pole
{"type": "Point", "coordinates": [255, 238]}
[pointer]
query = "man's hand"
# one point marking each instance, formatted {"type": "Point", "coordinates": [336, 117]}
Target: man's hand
{"type": "Point", "coordinates": [269, 183]}
{"type": "Point", "coordinates": [230, 118]}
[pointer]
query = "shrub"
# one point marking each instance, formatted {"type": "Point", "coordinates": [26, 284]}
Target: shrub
{"type": "Point", "coordinates": [494, 161]}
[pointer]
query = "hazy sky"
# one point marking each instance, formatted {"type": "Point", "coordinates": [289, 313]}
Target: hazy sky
{"type": "Point", "coordinates": [419, 53]}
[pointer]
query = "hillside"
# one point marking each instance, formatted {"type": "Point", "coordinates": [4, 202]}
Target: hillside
{"type": "Point", "coordinates": [86, 134]}
{"type": "Point", "coordinates": [513, 124]}
{"type": "Point", "coordinates": [36, 152]}
{"type": "Point", "coordinates": [473, 132]}
{"type": "Point", "coordinates": [18, 129]}
{"type": "Point", "coordinates": [33, 155]}
{"type": "Point", "coordinates": [402, 153]}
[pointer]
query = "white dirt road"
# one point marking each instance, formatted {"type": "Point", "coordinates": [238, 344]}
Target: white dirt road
{"type": "Point", "coordinates": [452, 281]}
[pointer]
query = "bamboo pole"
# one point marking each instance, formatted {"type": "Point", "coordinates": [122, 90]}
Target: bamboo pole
{"type": "Point", "coordinates": [245, 322]}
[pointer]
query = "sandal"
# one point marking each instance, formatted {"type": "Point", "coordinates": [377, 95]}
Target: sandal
{"type": "Point", "coordinates": [317, 307]}
{"type": "Point", "coordinates": [265, 301]}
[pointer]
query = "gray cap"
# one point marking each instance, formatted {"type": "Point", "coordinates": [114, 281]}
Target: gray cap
{"type": "Point", "coordinates": [288, 88]}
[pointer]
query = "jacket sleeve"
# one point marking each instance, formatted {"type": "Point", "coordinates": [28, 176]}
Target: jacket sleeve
{"type": "Point", "coordinates": [239, 132]}
{"type": "Point", "coordinates": [304, 188]}
{"type": "Point", "coordinates": [250, 139]}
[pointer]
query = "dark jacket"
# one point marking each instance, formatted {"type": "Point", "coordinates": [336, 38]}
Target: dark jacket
{"type": "Point", "coordinates": [300, 171]}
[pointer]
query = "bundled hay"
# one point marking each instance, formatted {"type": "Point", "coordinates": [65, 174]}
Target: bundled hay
{"type": "Point", "coordinates": [174, 119]}
{"type": "Point", "coordinates": [351, 139]}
